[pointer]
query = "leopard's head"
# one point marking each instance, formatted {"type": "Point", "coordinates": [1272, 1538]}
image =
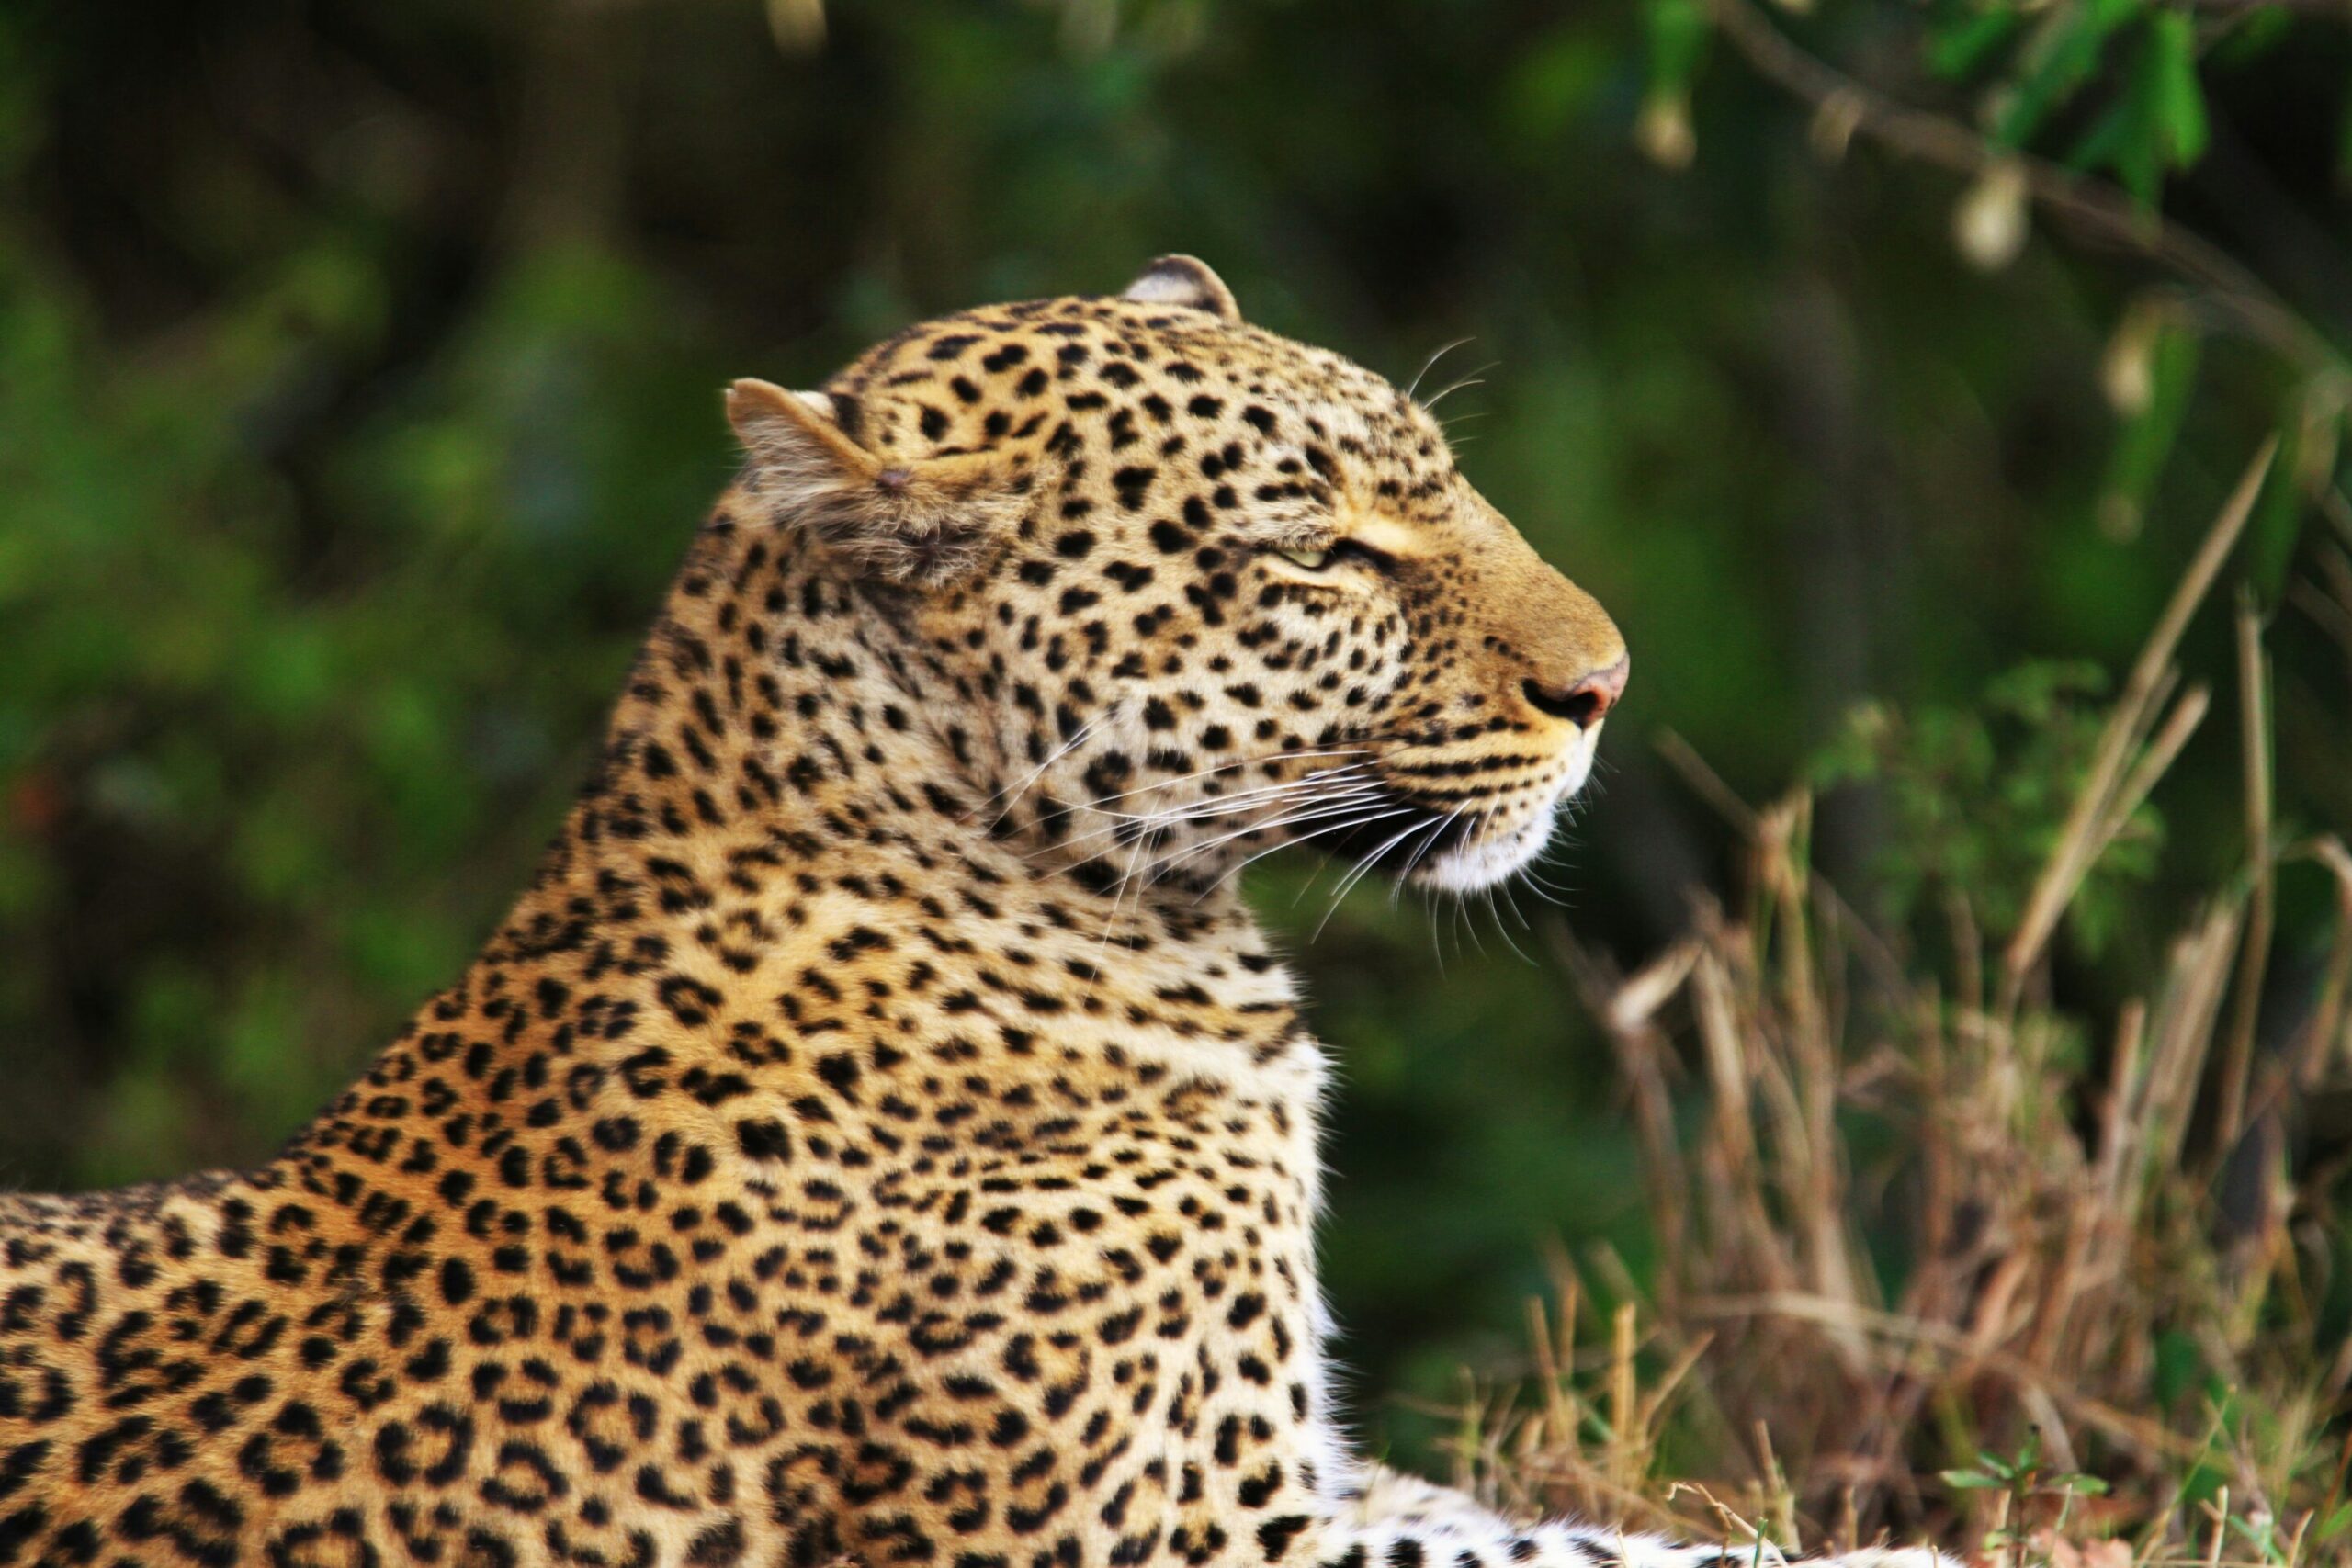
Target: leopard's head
{"type": "Point", "coordinates": [1182, 590]}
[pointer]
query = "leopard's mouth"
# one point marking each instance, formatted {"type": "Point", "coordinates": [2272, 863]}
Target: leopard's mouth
{"type": "Point", "coordinates": [1397, 836]}
{"type": "Point", "coordinates": [1455, 846]}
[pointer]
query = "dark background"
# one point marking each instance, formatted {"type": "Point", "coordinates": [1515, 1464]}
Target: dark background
{"type": "Point", "coordinates": [358, 371]}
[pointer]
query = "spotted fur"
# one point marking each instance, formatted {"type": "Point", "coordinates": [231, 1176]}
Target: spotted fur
{"type": "Point", "coordinates": [879, 1131]}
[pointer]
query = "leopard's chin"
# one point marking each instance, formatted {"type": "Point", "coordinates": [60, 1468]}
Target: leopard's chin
{"type": "Point", "coordinates": [1491, 853]}
{"type": "Point", "coordinates": [1485, 860]}
{"type": "Point", "coordinates": [1457, 852]}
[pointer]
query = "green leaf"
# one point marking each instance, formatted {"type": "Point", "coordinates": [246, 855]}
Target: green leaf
{"type": "Point", "coordinates": [2116, 141]}
{"type": "Point", "coordinates": [2248, 35]}
{"type": "Point", "coordinates": [2062, 55]}
{"type": "Point", "coordinates": [1959, 51]}
{"type": "Point", "coordinates": [2158, 121]}
{"type": "Point", "coordinates": [2171, 64]}
{"type": "Point", "coordinates": [1973, 1481]}
{"type": "Point", "coordinates": [2180, 1366]}
{"type": "Point", "coordinates": [1676, 31]}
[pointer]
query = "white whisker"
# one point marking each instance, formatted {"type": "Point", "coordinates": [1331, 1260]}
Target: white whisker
{"type": "Point", "coordinates": [1231, 805]}
{"type": "Point", "coordinates": [1302, 837]}
{"type": "Point", "coordinates": [1012, 793]}
{"type": "Point", "coordinates": [1501, 930]}
{"type": "Point", "coordinates": [1436, 831]}
{"type": "Point", "coordinates": [1349, 881]}
{"type": "Point", "coordinates": [1310, 811]}
{"type": "Point", "coordinates": [1138, 827]}
{"type": "Point", "coordinates": [1227, 766]}
{"type": "Point", "coordinates": [1431, 364]}
{"type": "Point", "coordinates": [1475, 378]}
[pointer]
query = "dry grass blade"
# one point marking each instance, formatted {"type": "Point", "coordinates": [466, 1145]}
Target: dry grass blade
{"type": "Point", "coordinates": [2254, 734]}
{"type": "Point", "coordinates": [1709, 786]}
{"type": "Point", "coordinates": [2154, 761]}
{"type": "Point", "coordinates": [1626, 1009]}
{"type": "Point", "coordinates": [2078, 844]}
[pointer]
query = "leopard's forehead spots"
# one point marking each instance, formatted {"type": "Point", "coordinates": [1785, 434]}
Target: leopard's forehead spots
{"type": "Point", "coordinates": [1163, 385]}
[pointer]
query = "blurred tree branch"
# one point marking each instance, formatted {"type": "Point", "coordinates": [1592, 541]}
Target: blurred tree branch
{"type": "Point", "coordinates": [2093, 209]}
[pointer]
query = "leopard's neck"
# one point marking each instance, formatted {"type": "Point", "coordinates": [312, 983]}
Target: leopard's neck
{"type": "Point", "coordinates": [785, 854]}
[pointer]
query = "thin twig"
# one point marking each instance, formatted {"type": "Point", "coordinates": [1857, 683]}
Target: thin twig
{"type": "Point", "coordinates": [2093, 206]}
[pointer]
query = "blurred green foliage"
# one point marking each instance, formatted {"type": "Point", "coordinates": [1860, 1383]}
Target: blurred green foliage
{"type": "Point", "coordinates": [357, 393]}
{"type": "Point", "coordinates": [1976, 798]}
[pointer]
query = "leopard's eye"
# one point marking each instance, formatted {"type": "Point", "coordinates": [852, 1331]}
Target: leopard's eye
{"type": "Point", "coordinates": [1312, 560]}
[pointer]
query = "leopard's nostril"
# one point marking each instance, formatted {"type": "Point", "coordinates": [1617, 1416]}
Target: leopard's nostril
{"type": "Point", "coordinates": [1582, 703]}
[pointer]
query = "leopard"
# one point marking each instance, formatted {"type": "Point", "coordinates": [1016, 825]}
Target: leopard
{"type": "Point", "coordinates": [881, 1132]}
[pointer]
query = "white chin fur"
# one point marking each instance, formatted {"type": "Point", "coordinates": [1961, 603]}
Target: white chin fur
{"type": "Point", "coordinates": [1488, 860]}
{"type": "Point", "coordinates": [1485, 861]}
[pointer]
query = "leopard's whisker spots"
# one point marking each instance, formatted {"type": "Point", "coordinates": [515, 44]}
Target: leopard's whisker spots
{"type": "Point", "coordinates": [1138, 825]}
{"type": "Point", "coordinates": [1268, 816]}
{"type": "Point", "coordinates": [1313, 811]}
{"type": "Point", "coordinates": [1135, 828]}
{"type": "Point", "coordinates": [1144, 839]}
{"type": "Point", "coordinates": [1225, 804]}
{"type": "Point", "coordinates": [1227, 766]}
{"type": "Point", "coordinates": [1239, 806]}
{"type": "Point", "coordinates": [1283, 825]}
{"type": "Point", "coordinates": [1337, 783]}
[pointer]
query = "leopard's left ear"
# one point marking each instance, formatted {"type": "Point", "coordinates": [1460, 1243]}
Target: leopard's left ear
{"type": "Point", "coordinates": [917, 523]}
{"type": "Point", "coordinates": [1186, 281]}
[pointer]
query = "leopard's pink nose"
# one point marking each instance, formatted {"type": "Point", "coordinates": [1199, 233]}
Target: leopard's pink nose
{"type": "Point", "coordinates": [1583, 702]}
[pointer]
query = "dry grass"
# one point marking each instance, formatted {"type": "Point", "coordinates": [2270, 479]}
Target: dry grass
{"type": "Point", "coordinates": [2106, 1265]}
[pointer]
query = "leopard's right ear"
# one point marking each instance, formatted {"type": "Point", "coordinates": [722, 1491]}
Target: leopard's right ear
{"type": "Point", "coordinates": [916, 523]}
{"type": "Point", "coordinates": [1187, 281]}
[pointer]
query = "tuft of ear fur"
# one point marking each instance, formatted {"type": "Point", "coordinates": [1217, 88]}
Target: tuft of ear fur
{"type": "Point", "coordinates": [919, 525]}
{"type": "Point", "coordinates": [1186, 281]}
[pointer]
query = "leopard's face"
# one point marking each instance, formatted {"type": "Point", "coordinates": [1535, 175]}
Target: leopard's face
{"type": "Point", "coordinates": [1200, 590]}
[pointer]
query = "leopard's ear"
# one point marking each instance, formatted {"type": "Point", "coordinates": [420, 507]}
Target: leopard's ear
{"type": "Point", "coordinates": [1186, 281]}
{"type": "Point", "coordinates": [917, 523]}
